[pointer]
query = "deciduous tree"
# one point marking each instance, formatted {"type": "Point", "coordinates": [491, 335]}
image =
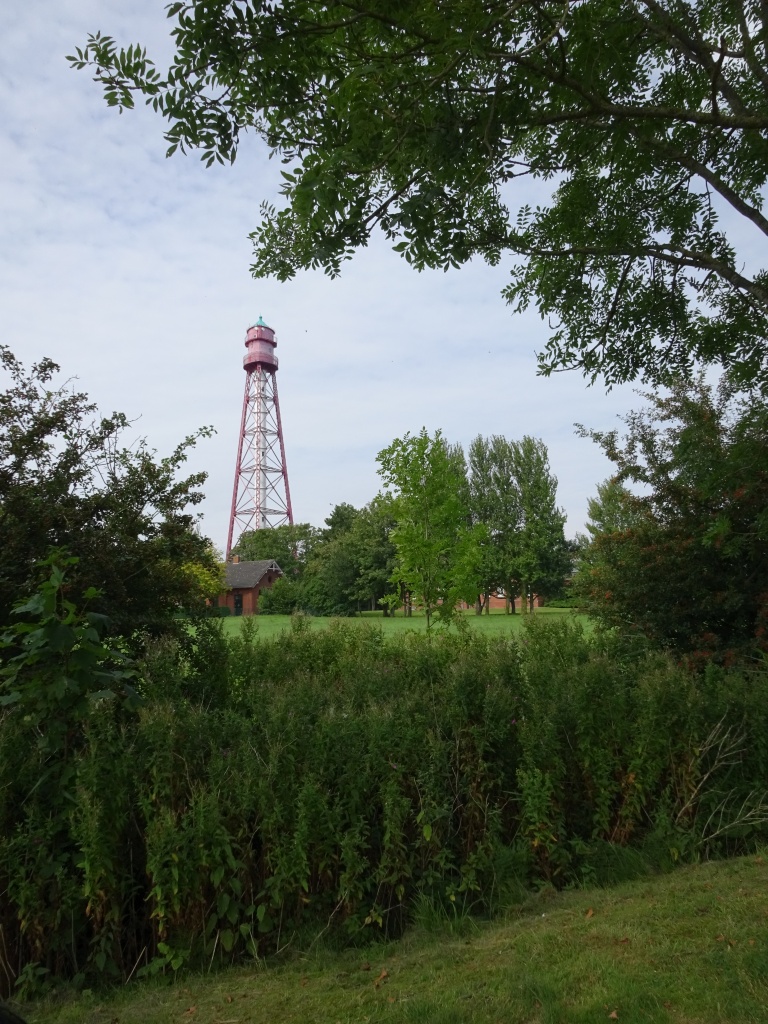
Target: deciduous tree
{"type": "Point", "coordinates": [612, 509]}
{"type": "Point", "coordinates": [646, 121]}
{"type": "Point", "coordinates": [331, 576]}
{"type": "Point", "coordinates": [495, 503]}
{"type": "Point", "coordinates": [539, 555]}
{"type": "Point", "coordinates": [514, 496]}
{"type": "Point", "coordinates": [68, 481]}
{"type": "Point", "coordinates": [374, 551]}
{"type": "Point", "coordinates": [437, 548]}
{"type": "Point", "coordinates": [684, 563]}
{"type": "Point", "coordinates": [290, 546]}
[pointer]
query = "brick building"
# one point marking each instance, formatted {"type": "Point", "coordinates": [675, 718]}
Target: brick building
{"type": "Point", "coordinates": [498, 600]}
{"type": "Point", "coordinates": [245, 581]}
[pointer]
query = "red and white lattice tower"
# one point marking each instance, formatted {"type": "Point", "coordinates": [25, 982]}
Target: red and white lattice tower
{"type": "Point", "coordinates": [261, 497]}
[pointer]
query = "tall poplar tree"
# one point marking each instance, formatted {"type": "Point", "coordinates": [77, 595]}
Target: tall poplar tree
{"type": "Point", "coordinates": [541, 556]}
{"type": "Point", "coordinates": [514, 496]}
{"type": "Point", "coordinates": [495, 503]}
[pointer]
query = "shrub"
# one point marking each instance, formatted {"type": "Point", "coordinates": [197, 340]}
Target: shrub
{"type": "Point", "coordinates": [284, 597]}
{"type": "Point", "coordinates": [266, 788]}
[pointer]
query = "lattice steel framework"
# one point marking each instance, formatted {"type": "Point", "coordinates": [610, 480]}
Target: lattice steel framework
{"type": "Point", "coordinates": [261, 497]}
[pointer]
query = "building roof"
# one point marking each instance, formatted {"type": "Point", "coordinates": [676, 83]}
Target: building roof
{"type": "Point", "coordinates": [249, 574]}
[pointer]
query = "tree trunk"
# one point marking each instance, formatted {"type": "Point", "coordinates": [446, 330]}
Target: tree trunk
{"type": "Point", "coordinates": [479, 605]}
{"type": "Point", "coordinates": [487, 602]}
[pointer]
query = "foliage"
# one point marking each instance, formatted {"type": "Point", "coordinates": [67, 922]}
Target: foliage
{"type": "Point", "coordinates": [684, 562]}
{"type": "Point", "coordinates": [206, 579]}
{"type": "Point", "coordinates": [331, 571]}
{"type": "Point", "coordinates": [58, 680]}
{"type": "Point", "coordinates": [540, 557]}
{"type": "Point", "coordinates": [268, 790]}
{"type": "Point", "coordinates": [330, 584]}
{"type": "Point", "coordinates": [600, 954]}
{"type": "Point", "coordinates": [329, 587]}
{"type": "Point", "coordinates": [66, 482]}
{"type": "Point", "coordinates": [437, 547]}
{"type": "Point", "coordinates": [354, 560]}
{"type": "Point", "coordinates": [340, 521]}
{"type": "Point", "coordinates": [284, 597]}
{"type": "Point", "coordinates": [613, 509]}
{"type": "Point", "coordinates": [56, 665]}
{"type": "Point", "coordinates": [563, 602]}
{"type": "Point", "coordinates": [495, 504]}
{"type": "Point", "coordinates": [513, 497]}
{"type": "Point", "coordinates": [645, 119]}
{"type": "Point", "coordinates": [291, 546]}
{"type": "Point", "coordinates": [374, 550]}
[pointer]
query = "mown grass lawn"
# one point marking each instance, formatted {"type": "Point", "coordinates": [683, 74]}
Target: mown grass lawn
{"type": "Point", "coordinates": [685, 948]}
{"type": "Point", "coordinates": [496, 623]}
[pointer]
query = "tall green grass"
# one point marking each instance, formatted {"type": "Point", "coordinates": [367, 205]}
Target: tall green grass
{"type": "Point", "coordinates": [328, 781]}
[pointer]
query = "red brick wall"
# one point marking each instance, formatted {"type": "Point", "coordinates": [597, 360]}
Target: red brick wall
{"type": "Point", "coordinates": [250, 600]}
{"type": "Point", "coordinates": [250, 596]}
{"type": "Point", "coordinates": [500, 602]}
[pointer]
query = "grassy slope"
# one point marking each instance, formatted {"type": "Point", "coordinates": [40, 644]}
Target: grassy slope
{"type": "Point", "coordinates": [496, 623]}
{"type": "Point", "coordinates": [688, 948]}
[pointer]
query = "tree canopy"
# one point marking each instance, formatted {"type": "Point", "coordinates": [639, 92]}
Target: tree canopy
{"type": "Point", "coordinates": [644, 120]}
{"type": "Point", "coordinates": [540, 557]}
{"type": "Point", "coordinates": [684, 562]}
{"type": "Point", "coordinates": [438, 548]}
{"type": "Point", "coordinates": [514, 495]}
{"type": "Point", "coordinates": [291, 546]}
{"type": "Point", "coordinates": [67, 481]}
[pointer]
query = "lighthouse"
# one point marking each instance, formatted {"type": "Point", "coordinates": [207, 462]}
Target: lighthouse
{"type": "Point", "coordinates": [261, 497]}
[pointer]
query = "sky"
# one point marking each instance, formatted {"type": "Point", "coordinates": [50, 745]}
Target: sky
{"type": "Point", "coordinates": [131, 271]}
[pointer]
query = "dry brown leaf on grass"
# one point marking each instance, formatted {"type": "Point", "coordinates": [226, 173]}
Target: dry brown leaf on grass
{"type": "Point", "coordinates": [589, 913]}
{"type": "Point", "coordinates": [613, 1015]}
{"type": "Point", "coordinates": [382, 977]}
